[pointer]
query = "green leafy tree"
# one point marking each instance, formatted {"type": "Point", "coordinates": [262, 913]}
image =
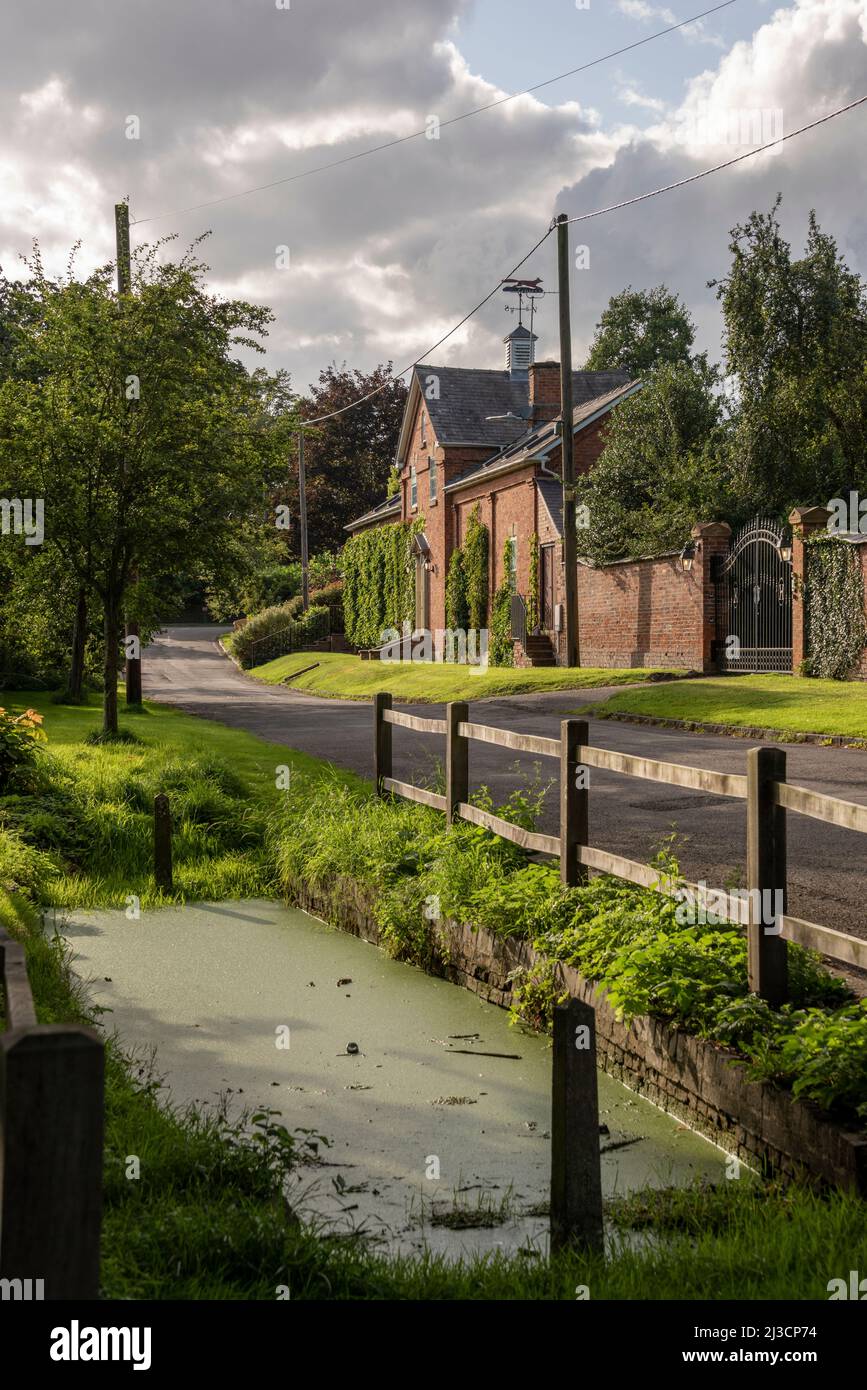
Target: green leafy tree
{"type": "Point", "coordinates": [661, 468]}
{"type": "Point", "coordinates": [135, 422]}
{"type": "Point", "coordinates": [795, 340]}
{"type": "Point", "coordinates": [348, 459]}
{"type": "Point", "coordinates": [641, 330]}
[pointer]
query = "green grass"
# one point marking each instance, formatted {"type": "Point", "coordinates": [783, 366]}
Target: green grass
{"type": "Point", "coordinates": [348, 677]}
{"type": "Point", "coordinates": [793, 704]}
{"type": "Point", "coordinates": [90, 808]}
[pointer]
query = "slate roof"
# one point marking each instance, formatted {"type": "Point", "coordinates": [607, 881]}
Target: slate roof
{"type": "Point", "coordinates": [466, 396]}
{"type": "Point", "coordinates": [381, 512]}
{"type": "Point", "coordinates": [545, 438]}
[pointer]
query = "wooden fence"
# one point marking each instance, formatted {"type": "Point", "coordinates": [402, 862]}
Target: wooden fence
{"type": "Point", "coordinates": [768, 795]}
{"type": "Point", "coordinates": [51, 1137]}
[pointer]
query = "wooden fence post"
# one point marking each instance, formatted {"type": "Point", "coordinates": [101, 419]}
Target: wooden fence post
{"type": "Point", "coordinates": [457, 759]}
{"type": "Point", "coordinates": [381, 741]}
{"type": "Point", "coordinates": [766, 873]}
{"type": "Point", "coordinates": [574, 801]}
{"type": "Point", "coordinates": [162, 843]}
{"type": "Point", "coordinates": [51, 1104]}
{"type": "Point", "coordinates": [576, 1178]}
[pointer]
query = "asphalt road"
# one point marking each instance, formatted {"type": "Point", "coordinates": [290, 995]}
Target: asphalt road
{"type": "Point", "coordinates": [827, 866]}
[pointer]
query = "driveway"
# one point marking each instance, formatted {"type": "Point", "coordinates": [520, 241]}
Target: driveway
{"type": "Point", "coordinates": [827, 868]}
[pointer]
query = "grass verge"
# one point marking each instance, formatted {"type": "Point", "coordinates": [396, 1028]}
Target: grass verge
{"type": "Point", "coordinates": [349, 678]}
{"type": "Point", "coordinates": [793, 704]}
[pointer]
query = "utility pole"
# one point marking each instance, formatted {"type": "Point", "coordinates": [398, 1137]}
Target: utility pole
{"type": "Point", "coordinates": [124, 286]}
{"type": "Point", "coordinates": [302, 516]}
{"type": "Point", "coordinates": [570, 533]}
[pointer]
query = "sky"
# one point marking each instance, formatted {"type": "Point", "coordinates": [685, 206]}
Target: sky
{"type": "Point", "coordinates": [179, 102]}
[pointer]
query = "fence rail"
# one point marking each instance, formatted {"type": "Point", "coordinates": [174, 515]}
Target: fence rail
{"type": "Point", "coordinates": [51, 1135]}
{"type": "Point", "coordinates": [769, 797]}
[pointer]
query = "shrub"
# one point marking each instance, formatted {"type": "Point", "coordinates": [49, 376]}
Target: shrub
{"type": "Point", "coordinates": [274, 623]}
{"type": "Point", "coordinates": [19, 734]}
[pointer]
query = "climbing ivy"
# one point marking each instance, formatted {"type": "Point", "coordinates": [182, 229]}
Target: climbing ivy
{"type": "Point", "coordinates": [501, 651]}
{"type": "Point", "coordinates": [834, 597]}
{"type": "Point", "coordinates": [379, 581]}
{"type": "Point", "coordinates": [457, 608]}
{"type": "Point", "coordinates": [533, 594]}
{"type": "Point", "coordinates": [476, 569]}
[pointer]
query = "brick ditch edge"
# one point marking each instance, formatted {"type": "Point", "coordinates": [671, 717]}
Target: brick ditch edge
{"type": "Point", "coordinates": [692, 1080]}
{"type": "Point", "coordinates": [753, 731]}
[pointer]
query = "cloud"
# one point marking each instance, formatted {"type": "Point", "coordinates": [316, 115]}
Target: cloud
{"type": "Point", "coordinates": [692, 33]}
{"type": "Point", "coordinates": [388, 251]}
{"type": "Point", "coordinates": [804, 61]}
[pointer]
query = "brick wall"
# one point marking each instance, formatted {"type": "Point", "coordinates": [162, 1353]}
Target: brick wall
{"type": "Point", "coordinates": [641, 613]}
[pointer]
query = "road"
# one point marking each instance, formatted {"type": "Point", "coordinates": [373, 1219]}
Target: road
{"type": "Point", "coordinates": [827, 867]}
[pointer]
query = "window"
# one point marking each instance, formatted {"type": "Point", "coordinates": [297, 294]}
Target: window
{"type": "Point", "coordinates": [432, 472]}
{"type": "Point", "coordinates": [413, 488]}
{"type": "Point", "coordinates": [513, 564]}
{"type": "Point", "coordinates": [423, 427]}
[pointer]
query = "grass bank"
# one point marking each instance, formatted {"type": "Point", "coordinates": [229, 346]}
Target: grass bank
{"type": "Point", "coordinates": [793, 704]}
{"type": "Point", "coordinates": [206, 1218]}
{"type": "Point", "coordinates": [349, 678]}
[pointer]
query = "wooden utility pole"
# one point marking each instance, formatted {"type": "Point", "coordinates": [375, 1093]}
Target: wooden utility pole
{"type": "Point", "coordinates": [570, 534]}
{"type": "Point", "coordinates": [124, 286]}
{"type": "Point", "coordinates": [302, 516]}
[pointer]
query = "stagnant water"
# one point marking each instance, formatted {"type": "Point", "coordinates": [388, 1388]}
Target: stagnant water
{"type": "Point", "coordinates": [424, 1137]}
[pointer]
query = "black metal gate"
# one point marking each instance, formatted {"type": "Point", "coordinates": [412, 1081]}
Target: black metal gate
{"type": "Point", "coordinates": [754, 600]}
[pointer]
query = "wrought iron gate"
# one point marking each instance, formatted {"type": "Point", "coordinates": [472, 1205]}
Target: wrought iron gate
{"type": "Point", "coordinates": [754, 600]}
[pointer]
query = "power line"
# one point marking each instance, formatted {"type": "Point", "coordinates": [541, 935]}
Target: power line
{"type": "Point", "coordinates": [584, 217]}
{"type": "Point", "coordinates": [482, 302]}
{"type": "Point", "coordinates": [453, 120]}
{"type": "Point", "coordinates": [727, 164]}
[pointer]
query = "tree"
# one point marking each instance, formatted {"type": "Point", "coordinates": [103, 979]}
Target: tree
{"type": "Point", "coordinates": [662, 469]}
{"type": "Point", "coordinates": [348, 459]}
{"type": "Point", "coordinates": [640, 330]}
{"type": "Point", "coordinates": [795, 339]}
{"type": "Point", "coordinates": [146, 438]}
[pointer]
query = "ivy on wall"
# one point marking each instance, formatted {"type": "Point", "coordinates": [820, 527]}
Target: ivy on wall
{"type": "Point", "coordinates": [379, 581]}
{"type": "Point", "coordinates": [834, 598]}
{"type": "Point", "coordinates": [457, 607]}
{"type": "Point", "coordinates": [501, 650]}
{"type": "Point", "coordinates": [533, 595]}
{"type": "Point", "coordinates": [476, 569]}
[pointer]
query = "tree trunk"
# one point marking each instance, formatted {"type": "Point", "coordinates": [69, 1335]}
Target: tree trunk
{"type": "Point", "coordinates": [112, 641]}
{"type": "Point", "coordinates": [79, 640]}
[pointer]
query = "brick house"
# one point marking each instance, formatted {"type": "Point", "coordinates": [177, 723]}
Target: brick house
{"type": "Point", "coordinates": [492, 438]}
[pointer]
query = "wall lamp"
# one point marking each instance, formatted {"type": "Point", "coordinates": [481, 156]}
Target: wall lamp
{"type": "Point", "coordinates": [687, 556]}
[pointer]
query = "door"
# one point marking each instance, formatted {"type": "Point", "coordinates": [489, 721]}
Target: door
{"type": "Point", "coordinates": [546, 587]}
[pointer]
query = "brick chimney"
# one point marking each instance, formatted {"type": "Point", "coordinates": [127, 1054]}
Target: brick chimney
{"type": "Point", "coordinates": [544, 379]}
